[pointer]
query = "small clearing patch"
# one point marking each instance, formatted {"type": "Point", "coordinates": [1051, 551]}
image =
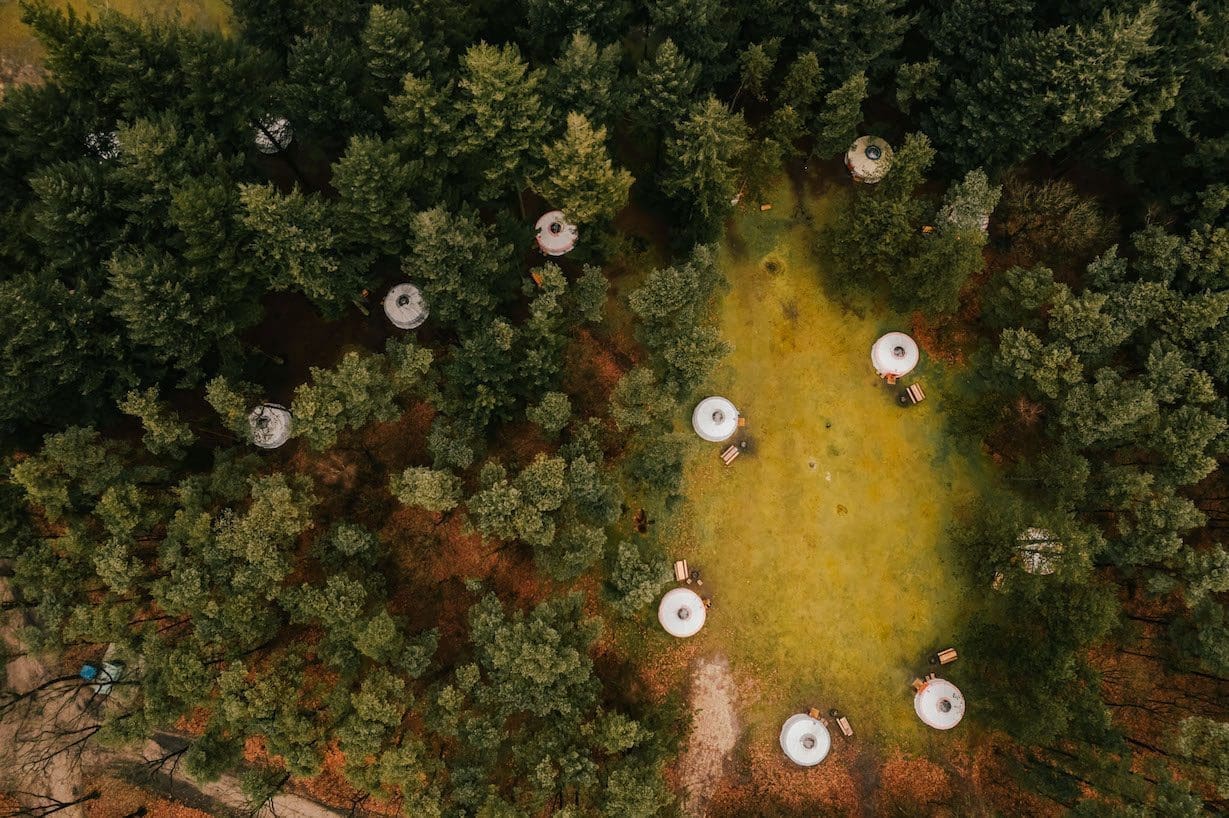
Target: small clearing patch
{"type": "Point", "coordinates": [714, 732]}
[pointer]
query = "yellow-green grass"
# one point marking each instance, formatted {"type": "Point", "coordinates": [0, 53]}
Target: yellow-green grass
{"type": "Point", "coordinates": [17, 43]}
{"type": "Point", "coordinates": [825, 547]}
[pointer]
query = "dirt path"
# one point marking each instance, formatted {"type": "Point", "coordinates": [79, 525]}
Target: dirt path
{"type": "Point", "coordinates": [714, 732]}
{"type": "Point", "coordinates": [67, 776]}
{"type": "Point", "coordinates": [59, 779]}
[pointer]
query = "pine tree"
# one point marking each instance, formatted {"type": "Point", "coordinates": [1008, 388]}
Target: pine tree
{"type": "Point", "coordinates": [165, 433]}
{"type": "Point", "coordinates": [854, 38]}
{"type": "Point", "coordinates": [703, 31]}
{"type": "Point", "coordinates": [704, 159]}
{"type": "Point", "coordinates": [392, 48]}
{"type": "Point", "coordinates": [664, 86]}
{"type": "Point", "coordinates": [298, 246]}
{"type": "Point", "coordinates": [585, 79]}
{"type": "Point", "coordinates": [1045, 89]}
{"type": "Point", "coordinates": [502, 117]}
{"type": "Point", "coordinates": [579, 177]}
{"type": "Point", "coordinates": [424, 123]}
{"type": "Point", "coordinates": [375, 190]}
{"type": "Point", "coordinates": [838, 121]}
{"type": "Point", "coordinates": [427, 488]}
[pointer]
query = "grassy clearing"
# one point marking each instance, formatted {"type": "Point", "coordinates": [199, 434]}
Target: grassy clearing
{"type": "Point", "coordinates": [824, 547]}
{"type": "Point", "coordinates": [17, 44]}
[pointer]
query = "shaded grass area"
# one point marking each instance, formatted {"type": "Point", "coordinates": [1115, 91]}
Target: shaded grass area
{"type": "Point", "coordinates": [17, 43]}
{"type": "Point", "coordinates": [824, 546]}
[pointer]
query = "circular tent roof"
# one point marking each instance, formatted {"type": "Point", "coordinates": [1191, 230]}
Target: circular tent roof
{"type": "Point", "coordinates": [681, 612]}
{"type": "Point", "coordinates": [271, 424]}
{"type": "Point", "coordinates": [894, 354]}
{"type": "Point", "coordinates": [806, 741]}
{"type": "Point", "coordinates": [555, 236]}
{"type": "Point", "coordinates": [939, 704]}
{"type": "Point", "coordinates": [105, 144]}
{"type": "Point", "coordinates": [273, 135]}
{"type": "Point", "coordinates": [405, 306]}
{"type": "Point", "coordinates": [868, 159]}
{"type": "Point", "coordinates": [714, 419]}
{"type": "Point", "coordinates": [1039, 551]}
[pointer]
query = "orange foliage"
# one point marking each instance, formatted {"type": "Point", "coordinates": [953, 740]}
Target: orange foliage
{"type": "Point", "coordinates": [194, 723]}
{"type": "Point", "coordinates": [913, 781]}
{"type": "Point", "coordinates": [772, 785]}
{"type": "Point", "coordinates": [331, 787]}
{"type": "Point", "coordinates": [593, 367]}
{"type": "Point", "coordinates": [119, 798]}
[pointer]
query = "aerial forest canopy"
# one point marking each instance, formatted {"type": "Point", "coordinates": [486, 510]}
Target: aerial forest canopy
{"type": "Point", "coordinates": [435, 597]}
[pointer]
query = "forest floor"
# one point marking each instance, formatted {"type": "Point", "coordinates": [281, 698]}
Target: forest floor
{"type": "Point", "coordinates": [824, 546]}
{"type": "Point", "coordinates": [714, 732]}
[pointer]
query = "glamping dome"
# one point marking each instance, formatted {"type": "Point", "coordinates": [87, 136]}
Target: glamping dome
{"type": "Point", "coordinates": [103, 144]}
{"type": "Point", "coordinates": [894, 354]}
{"type": "Point", "coordinates": [805, 740]}
{"type": "Point", "coordinates": [405, 306]}
{"type": "Point", "coordinates": [270, 424]}
{"type": "Point", "coordinates": [1039, 551]}
{"type": "Point", "coordinates": [681, 612]}
{"type": "Point", "coordinates": [555, 235]}
{"type": "Point", "coordinates": [868, 159]}
{"type": "Point", "coordinates": [714, 419]}
{"type": "Point", "coordinates": [939, 704]}
{"type": "Point", "coordinates": [273, 135]}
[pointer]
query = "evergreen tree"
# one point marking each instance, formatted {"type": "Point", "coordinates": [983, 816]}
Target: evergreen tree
{"type": "Point", "coordinates": [585, 79]}
{"type": "Point", "coordinates": [392, 47]}
{"type": "Point", "coordinates": [703, 169]}
{"type": "Point", "coordinates": [375, 195]}
{"type": "Point", "coordinates": [165, 433]}
{"type": "Point", "coordinates": [838, 121]}
{"type": "Point", "coordinates": [295, 241]}
{"type": "Point", "coordinates": [424, 124]}
{"type": "Point", "coordinates": [1045, 89]}
{"type": "Point", "coordinates": [664, 87]}
{"type": "Point", "coordinates": [854, 38]}
{"type": "Point", "coordinates": [501, 117]}
{"type": "Point", "coordinates": [427, 488]}
{"type": "Point", "coordinates": [459, 262]}
{"type": "Point", "coordinates": [579, 177]}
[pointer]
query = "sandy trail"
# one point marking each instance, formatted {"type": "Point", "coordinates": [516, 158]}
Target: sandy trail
{"type": "Point", "coordinates": [714, 732]}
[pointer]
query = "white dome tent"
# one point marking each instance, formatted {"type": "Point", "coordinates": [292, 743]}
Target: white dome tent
{"type": "Point", "coordinates": [405, 306]}
{"type": "Point", "coordinates": [681, 612]}
{"type": "Point", "coordinates": [273, 135]}
{"type": "Point", "coordinates": [715, 419]}
{"type": "Point", "coordinates": [868, 159]}
{"type": "Point", "coordinates": [271, 425]}
{"type": "Point", "coordinates": [104, 144]}
{"type": "Point", "coordinates": [555, 236]}
{"type": "Point", "coordinates": [805, 740]}
{"type": "Point", "coordinates": [939, 704]}
{"type": "Point", "coordinates": [894, 355]}
{"type": "Point", "coordinates": [1039, 551]}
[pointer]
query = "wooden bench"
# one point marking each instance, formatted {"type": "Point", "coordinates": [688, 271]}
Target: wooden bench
{"type": "Point", "coordinates": [947, 656]}
{"type": "Point", "coordinates": [846, 730]}
{"type": "Point", "coordinates": [729, 454]}
{"type": "Point", "coordinates": [918, 684]}
{"type": "Point", "coordinates": [915, 393]}
{"type": "Point", "coordinates": [681, 573]}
